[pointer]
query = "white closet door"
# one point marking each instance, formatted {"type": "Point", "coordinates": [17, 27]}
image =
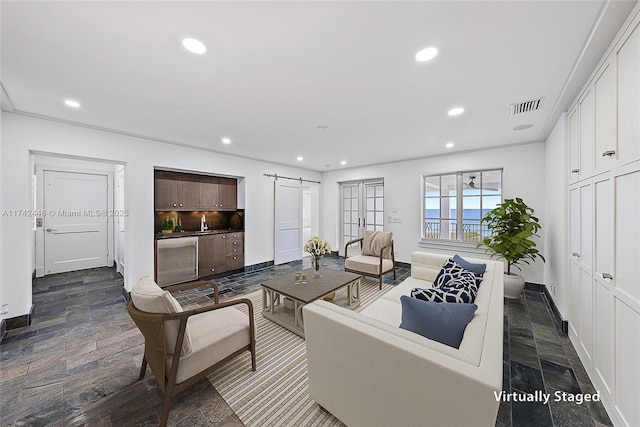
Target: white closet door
{"type": "Point", "coordinates": [602, 279]}
{"type": "Point", "coordinates": [587, 134]}
{"type": "Point", "coordinates": [629, 99]}
{"type": "Point", "coordinates": [574, 145]}
{"type": "Point", "coordinates": [586, 285]}
{"type": "Point", "coordinates": [288, 221]}
{"type": "Point", "coordinates": [574, 260]}
{"type": "Point", "coordinates": [605, 117]}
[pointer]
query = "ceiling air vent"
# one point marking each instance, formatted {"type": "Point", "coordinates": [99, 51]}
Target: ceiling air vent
{"type": "Point", "coordinates": [526, 106]}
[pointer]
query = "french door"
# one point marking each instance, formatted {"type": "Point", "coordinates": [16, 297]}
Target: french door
{"type": "Point", "coordinates": [362, 207]}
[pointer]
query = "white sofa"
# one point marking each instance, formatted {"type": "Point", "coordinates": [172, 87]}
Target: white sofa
{"type": "Point", "coordinates": [368, 372]}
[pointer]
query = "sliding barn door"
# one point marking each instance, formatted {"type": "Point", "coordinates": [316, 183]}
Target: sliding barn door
{"type": "Point", "coordinates": [288, 221]}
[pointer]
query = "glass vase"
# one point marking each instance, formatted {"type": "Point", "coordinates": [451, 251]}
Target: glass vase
{"type": "Point", "coordinates": [317, 262]}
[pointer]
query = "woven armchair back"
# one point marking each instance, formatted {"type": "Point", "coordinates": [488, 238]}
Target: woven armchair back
{"type": "Point", "coordinates": [152, 327]}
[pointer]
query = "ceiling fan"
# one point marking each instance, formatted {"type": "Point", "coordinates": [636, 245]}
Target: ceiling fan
{"type": "Point", "coordinates": [471, 184]}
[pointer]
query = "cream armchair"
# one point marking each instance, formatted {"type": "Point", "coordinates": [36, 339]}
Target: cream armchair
{"type": "Point", "coordinates": [376, 258]}
{"type": "Point", "coordinates": [181, 347]}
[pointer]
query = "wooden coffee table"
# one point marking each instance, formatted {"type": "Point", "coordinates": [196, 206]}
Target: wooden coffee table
{"type": "Point", "coordinates": [274, 291]}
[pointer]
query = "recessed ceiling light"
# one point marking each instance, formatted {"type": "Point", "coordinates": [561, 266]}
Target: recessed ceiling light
{"type": "Point", "coordinates": [449, 144]}
{"type": "Point", "coordinates": [71, 103]}
{"type": "Point", "coordinates": [193, 45]}
{"type": "Point", "coordinates": [456, 111]}
{"type": "Point", "coordinates": [299, 158]}
{"type": "Point", "coordinates": [522, 127]}
{"type": "Point", "coordinates": [226, 140]}
{"type": "Point", "coordinates": [343, 162]}
{"type": "Point", "coordinates": [426, 54]}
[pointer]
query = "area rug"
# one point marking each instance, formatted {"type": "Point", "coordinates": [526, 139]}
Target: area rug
{"type": "Point", "coordinates": [277, 393]}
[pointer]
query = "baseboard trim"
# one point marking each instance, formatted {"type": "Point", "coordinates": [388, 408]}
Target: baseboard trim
{"type": "Point", "coordinates": [402, 264]}
{"type": "Point", "coordinates": [562, 324]}
{"type": "Point", "coordinates": [258, 266]}
{"type": "Point", "coordinates": [3, 329]}
{"type": "Point", "coordinates": [536, 287]}
{"type": "Point", "coordinates": [126, 294]}
{"type": "Point", "coordinates": [19, 321]}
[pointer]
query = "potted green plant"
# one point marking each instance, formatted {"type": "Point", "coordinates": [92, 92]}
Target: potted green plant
{"type": "Point", "coordinates": [513, 227]}
{"type": "Point", "coordinates": [166, 225]}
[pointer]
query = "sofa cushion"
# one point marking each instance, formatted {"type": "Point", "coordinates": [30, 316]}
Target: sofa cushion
{"type": "Point", "coordinates": [368, 264]}
{"type": "Point", "coordinates": [374, 241]}
{"type": "Point", "coordinates": [477, 269]}
{"type": "Point", "coordinates": [444, 323]}
{"type": "Point", "coordinates": [148, 296]}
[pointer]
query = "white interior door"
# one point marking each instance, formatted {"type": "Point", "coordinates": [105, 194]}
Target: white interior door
{"type": "Point", "coordinates": [75, 228]}
{"type": "Point", "coordinates": [288, 221]}
{"type": "Point", "coordinates": [120, 218]}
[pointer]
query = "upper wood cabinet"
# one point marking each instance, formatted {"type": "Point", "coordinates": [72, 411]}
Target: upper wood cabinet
{"type": "Point", "coordinates": [227, 193]}
{"type": "Point", "coordinates": [188, 192]}
{"type": "Point", "coordinates": [176, 191]}
{"type": "Point", "coordinates": [166, 190]}
{"type": "Point", "coordinates": [208, 193]}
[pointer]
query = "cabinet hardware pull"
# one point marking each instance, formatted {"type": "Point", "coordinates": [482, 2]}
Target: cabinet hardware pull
{"type": "Point", "coordinates": [609, 153]}
{"type": "Point", "coordinates": [576, 254]}
{"type": "Point", "coordinates": [575, 170]}
{"type": "Point", "coordinates": [607, 276]}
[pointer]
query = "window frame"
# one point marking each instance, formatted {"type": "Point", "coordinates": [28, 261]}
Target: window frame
{"type": "Point", "coordinates": [459, 197]}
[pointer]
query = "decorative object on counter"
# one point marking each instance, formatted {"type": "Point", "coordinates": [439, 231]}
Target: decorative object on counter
{"type": "Point", "coordinates": [304, 279]}
{"type": "Point", "coordinates": [166, 225]}
{"type": "Point", "coordinates": [317, 247]}
{"type": "Point", "coordinates": [298, 278]}
{"type": "Point", "coordinates": [512, 226]}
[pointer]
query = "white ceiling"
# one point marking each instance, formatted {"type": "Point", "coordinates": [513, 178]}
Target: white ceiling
{"type": "Point", "coordinates": [275, 71]}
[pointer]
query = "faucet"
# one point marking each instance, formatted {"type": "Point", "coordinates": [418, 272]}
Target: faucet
{"type": "Point", "coordinates": [203, 223]}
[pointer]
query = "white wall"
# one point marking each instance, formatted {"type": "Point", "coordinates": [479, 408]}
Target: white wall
{"type": "Point", "coordinates": [556, 223]}
{"type": "Point", "coordinates": [21, 135]}
{"type": "Point", "coordinates": [523, 177]}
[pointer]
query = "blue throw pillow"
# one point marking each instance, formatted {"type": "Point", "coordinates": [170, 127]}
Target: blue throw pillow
{"type": "Point", "coordinates": [477, 269]}
{"type": "Point", "coordinates": [440, 322]}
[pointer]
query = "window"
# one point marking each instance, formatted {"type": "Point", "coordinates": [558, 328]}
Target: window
{"type": "Point", "coordinates": [455, 203]}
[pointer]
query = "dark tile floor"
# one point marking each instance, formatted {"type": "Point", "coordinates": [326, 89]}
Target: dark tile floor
{"type": "Point", "coordinates": [78, 362]}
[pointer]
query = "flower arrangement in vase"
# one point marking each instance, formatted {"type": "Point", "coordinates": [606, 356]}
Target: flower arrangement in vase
{"type": "Point", "coordinates": [317, 247]}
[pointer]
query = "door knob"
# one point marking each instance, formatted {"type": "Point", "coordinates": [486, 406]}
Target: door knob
{"type": "Point", "coordinates": [607, 276]}
{"type": "Point", "coordinates": [49, 230]}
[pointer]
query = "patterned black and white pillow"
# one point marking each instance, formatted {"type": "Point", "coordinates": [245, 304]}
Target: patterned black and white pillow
{"type": "Point", "coordinates": [450, 270]}
{"type": "Point", "coordinates": [459, 290]}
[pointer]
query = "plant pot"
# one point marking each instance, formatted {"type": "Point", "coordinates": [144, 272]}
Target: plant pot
{"type": "Point", "coordinates": [167, 231]}
{"type": "Point", "coordinates": [513, 285]}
